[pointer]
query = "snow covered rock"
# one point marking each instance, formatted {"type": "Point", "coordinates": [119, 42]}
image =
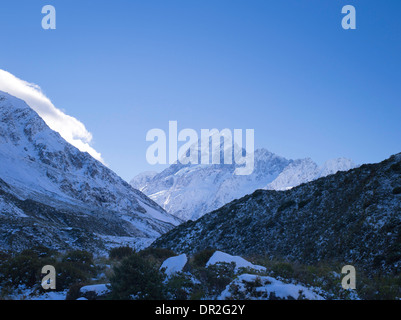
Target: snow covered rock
{"type": "Point", "coordinates": [254, 287]}
{"type": "Point", "coordinates": [95, 291]}
{"type": "Point", "coordinates": [174, 264]}
{"type": "Point", "coordinates": [219, 257]}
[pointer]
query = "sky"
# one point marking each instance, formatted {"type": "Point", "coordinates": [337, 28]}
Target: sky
{"type": "Point", "coordinates": [286, 69]}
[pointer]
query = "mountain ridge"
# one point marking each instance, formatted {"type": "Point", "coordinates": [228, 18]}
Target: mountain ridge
{"type": "Point", "coordinates": [188, 191]}
{"type": "Point", "coordinates": [38, 165]}
{"type": "Point", "coordinates": [352, 217]}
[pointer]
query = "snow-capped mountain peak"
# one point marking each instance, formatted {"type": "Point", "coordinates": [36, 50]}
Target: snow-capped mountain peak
{"type": "Point", "coordinates": [306, 170]}
{"type": "Point", "coordinates": [189, 191]}
{"type": "Point", "coordinates": [334, 165]}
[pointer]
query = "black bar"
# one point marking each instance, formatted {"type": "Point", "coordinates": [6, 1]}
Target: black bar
{"type": "Point", "coordinates": [202, 309]}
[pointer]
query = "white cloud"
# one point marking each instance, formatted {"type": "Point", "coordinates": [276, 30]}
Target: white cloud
{"type": "Point", "coordinates": [71, 129]}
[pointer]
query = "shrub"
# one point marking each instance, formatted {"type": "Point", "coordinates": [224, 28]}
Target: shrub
{"type": "Point", "coordinates": [136, 278]}
{"type": "Point", "coordinates": [79, 256]}
{"type": "Point", "coordinates": [4, 256]}
{"type": "Point", "coordinates": [24, 268]}
{"type": "Point", "coordinates": [251, 287]}
{"type": "Point", "coordinates": [286, 205]}
{"type": "Point", "coordinates": [156, 255]}
{"type": "Point", "coordinates": [74, 291]}
{"type": "Point", "coordinates": [397, 190]}
{"type": "Point", "coordinates": [69, 274]}
{"type": "Point", "coordinates": [396, 167]}
{"type": "Point", "coordinates": [21, 270]}
{"type": "Point", "coordinates": [303, 203]}
{"type": "Point", "coordinates": [76, 267]}
{"type": "Point", "coordinates": [120, 252]}
{"type": "Point", "coordinates": [284, 269]}
{"type": "Point", "coordinates": [179, 286]}
{"type": "Point", "coordinates": [215, 277]}
{"type": "Point", "coordinates": [38, 251]}
{"type": "Point", "coordinates": [80, 259]}
{"type": "Point", "coordinates": [202, 257]}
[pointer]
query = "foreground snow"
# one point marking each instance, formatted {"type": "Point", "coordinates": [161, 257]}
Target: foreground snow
{"type": "Point", "coordinates": [174, 264]}
{"type": "Point", "coordinates": [219, 257]}
{"type": "Point", "coordinates": [245, 286]}
{"type": "Point", "coordinates": [98, 289]}
{"type": "Point", "coordinates": [23, 293]}
{"type": "Point", "coordinates": [266, 287]}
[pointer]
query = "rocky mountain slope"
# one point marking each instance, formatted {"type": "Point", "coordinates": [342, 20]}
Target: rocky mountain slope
{"type": "Point", "coordinates": [351, 217]}
{"type": "Point", "coordinates": [189, 191]}
{"type": "Point", "coordinates": [51, 193]}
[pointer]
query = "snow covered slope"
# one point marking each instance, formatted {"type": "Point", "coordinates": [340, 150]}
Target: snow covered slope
{"type": "Point", "coordinates": [306, 170]}
{"type": "Point", "coordinates": [267, 288]}
{"type": "Point", "coordinates": [190, 191]}
{"type": "Point", "coordinates": [40, 166]}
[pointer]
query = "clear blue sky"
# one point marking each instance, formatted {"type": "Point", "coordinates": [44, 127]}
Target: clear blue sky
{"type": "Point", "coordinates": [284, 68]}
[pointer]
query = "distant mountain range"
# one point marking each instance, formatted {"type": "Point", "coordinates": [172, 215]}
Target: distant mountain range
{"type": "Point", "coordinates": [189, 191]}
{"type": "Point", "coordinates": [55, 195]}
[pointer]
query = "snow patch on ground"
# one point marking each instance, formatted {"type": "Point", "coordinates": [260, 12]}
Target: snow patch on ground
{"type": "Point", "coordinates": [264, 286]}
{"type": "Point", "coordinates": [99, 289]}
{"type": "Point", "coordinates": [174, 264]}
{"type": "Point", "coordinates": [23, 293]}
{"type": "Point", "coordinates": [219, 257]}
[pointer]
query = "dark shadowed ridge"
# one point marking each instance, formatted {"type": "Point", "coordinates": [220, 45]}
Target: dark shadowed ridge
{"type": "Point", "coordinates": [351, 217]}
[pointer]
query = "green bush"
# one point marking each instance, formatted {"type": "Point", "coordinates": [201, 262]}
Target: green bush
{"type": "Point", "coordinates": [286, 205]}
{"type": "Point", "coordinates": [397, 190]}
{"type": "Point", "coordinates": [79, 256]}
{"type": "Point", "coordinates": [120, 252]}
{"type": "Point", "coordinates": [396, 167]}
{"type": "Point", "coordinates": [75, 267]}
{"type": "Point", "coordinates": [303, 203]}
{"type": "Point", "coordinates": [70, 273]}
{"type": "Point", "coordinates": [156, 255]}
{"type": "Point", "coordinates": [21, 270]}
{"type": "Point", "coordinates": [284, 269]}
{"type": "Point", "coordinates": [179, 286]}
{"type": "Point", "coordinates": [138, 279]}
{"type": "Point", "coordinates": [4, 256]}
{"type": "Point", "coordinates": [216, 277]}
{"type": "Point", "coordinates": [74, 291]}
{"type": "Point", "coordinates": [39, 251]}
{"type": "Point", "coordinates": [202, 257]}
{"type": "Point", "coordinates": [24, 268]}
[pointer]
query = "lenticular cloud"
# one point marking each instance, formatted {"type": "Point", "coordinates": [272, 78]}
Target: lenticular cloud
{"type": "Point", "coordinates": [71, 129]}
